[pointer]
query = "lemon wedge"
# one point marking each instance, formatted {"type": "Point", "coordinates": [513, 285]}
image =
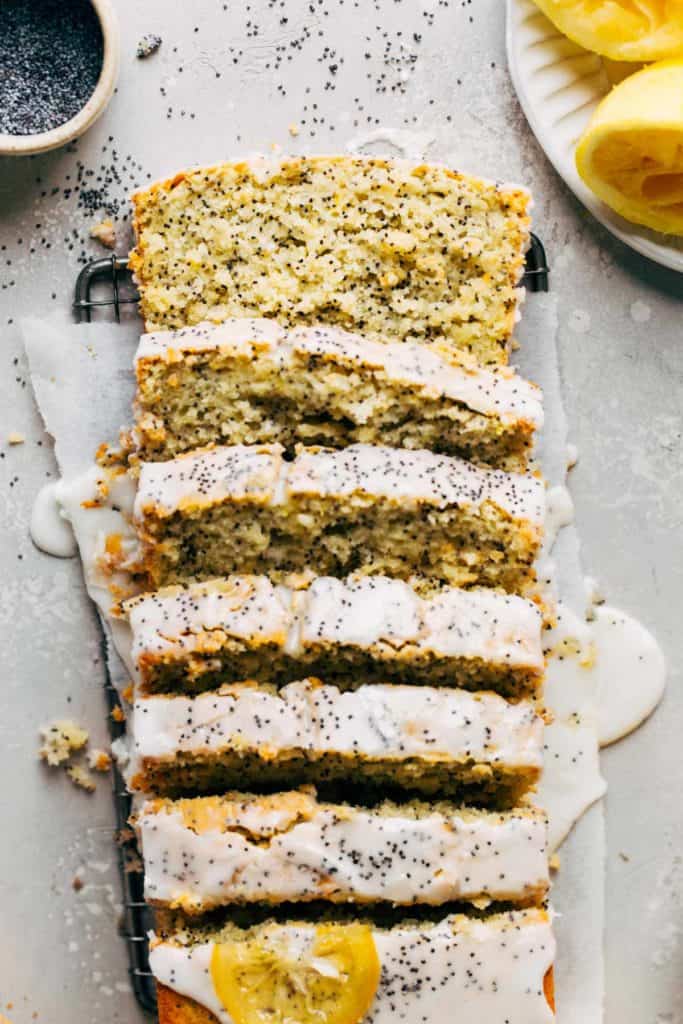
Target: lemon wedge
{"type": "Point", "coordinates": [279, 977]}
{"type": "Point", "coordinates": [634, 30]}
{"type": "Point", "coordinates": [631, 154]}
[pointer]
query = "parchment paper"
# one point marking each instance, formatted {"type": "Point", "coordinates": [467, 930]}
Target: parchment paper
{"type": "Point", "coordinates": [83, 382]}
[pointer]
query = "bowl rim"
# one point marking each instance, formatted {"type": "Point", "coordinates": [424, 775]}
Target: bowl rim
{"type": "Point", "coordinates": [23, 145]}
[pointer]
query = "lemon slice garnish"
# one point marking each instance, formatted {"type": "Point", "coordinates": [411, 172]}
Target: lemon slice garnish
{"type": "Point", "coordinates": [280, 978]}
{"type": "Point", "coordinates": [633, 30]}
{"type": "Point", "coordinates": [631, 154]}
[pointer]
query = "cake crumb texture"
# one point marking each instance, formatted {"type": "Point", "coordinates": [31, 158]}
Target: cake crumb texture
{"type": "Point", "coordinates": [248, 381]}
{"type": "Point", "coordinates": [99, 760]}
{"type": "Point", "coordinates": [81, 777]}
{"type": "Point", "coordinates": [61, 739]}
{"type": "Point", "coordinates": [393, 250]}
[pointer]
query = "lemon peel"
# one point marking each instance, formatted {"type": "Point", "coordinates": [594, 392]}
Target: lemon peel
{"type": "Point", "coordinates": [631, 154]}
{"type": "Point", "coordinates": [629, 30]}
{"type": "Point", "coordinates": [276, 979]}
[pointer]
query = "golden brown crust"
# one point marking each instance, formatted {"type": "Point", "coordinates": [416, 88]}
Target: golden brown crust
{"type": "Point", "coordinates": [176, 1009]}
{"type": "Point", "coordinates": [515, 205]}
{"type": "Point", "coordinates": [549, 987]}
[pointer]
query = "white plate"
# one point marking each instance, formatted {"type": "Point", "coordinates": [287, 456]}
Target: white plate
{"type": "Point", "coordinates": [559, 85]}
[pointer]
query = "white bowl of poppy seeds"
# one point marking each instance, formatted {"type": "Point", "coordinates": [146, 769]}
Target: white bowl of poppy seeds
{"type": "Point", "coordinates": [59, 60]}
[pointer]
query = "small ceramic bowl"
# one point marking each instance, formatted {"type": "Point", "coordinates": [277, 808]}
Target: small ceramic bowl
{"type": "Point", "coordinates": [21, 145]}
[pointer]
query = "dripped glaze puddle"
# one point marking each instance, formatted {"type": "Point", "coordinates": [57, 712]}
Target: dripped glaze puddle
{"type": "Point", "coordinates": [571, 779]}
{"type": "Point", "coordinates": [631, 671]}
{"type": "Point", "coordinates": [50, 530]}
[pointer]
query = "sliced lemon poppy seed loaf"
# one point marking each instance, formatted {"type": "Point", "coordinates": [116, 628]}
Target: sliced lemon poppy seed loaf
{"type": "Point", "coordinates": [348, 632]}
{"type": "Point", "coordinates": [455, 970]}
{"type": "Point", "coordinates": [249, 381]}
{"type": "Point", "coordinates": [382, 511]}
{"type": "Point", "coordinates": [419, 739]}
{"type": "Point", "coordinates": [207, 852]}
{"type": "Point", "coordinates": [386, 248]}
{"type": "Point", "coordinates": [365, 308]}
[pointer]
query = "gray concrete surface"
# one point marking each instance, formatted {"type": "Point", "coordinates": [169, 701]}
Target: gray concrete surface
{"type": "Point", "coordinates": [340, 71]}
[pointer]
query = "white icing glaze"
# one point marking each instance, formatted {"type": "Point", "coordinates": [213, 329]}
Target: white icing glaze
{"type": "Point", "coordinates": [493, 626]}
{"type": "Point", "coordinates": [571, 781]}
{"type": "Point", "coordinates": [50, 531]}
{"type": "Point", "coordinates": [485, 971]}
{"type": "Point", "coordinates": [355, 613]}
{"type": "Point", "coordinates": [559, 512]}
{"type": "Point", "coordinates": [248, 607]}
{"type": "Point", "coordinates": [495, 393]}
{"type": "Point", "coordinates": [98, 505]}
{"type": "Point", "coordinates": [259, 473]}
{"type": "Point", "coordinates": [631, 672]}
{"type": "Point", "coordinates": [236, 333]}
{"type": "Point", "coordinates": [372, 613]}
{"type": "Point", "coordinates": [501, 392]}
{"type": "Point", "coordinates": [414, 476]}
{"type": "Point", "coordinates": [341, 852]}
{"type": "Point", "coordinates": [375, 720]}
{"type": "Point", "coordinates": [208, 476]}
{"type": "Point", "coordinates": [604, 676]}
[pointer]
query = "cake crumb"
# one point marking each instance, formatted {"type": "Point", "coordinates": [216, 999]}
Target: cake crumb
{"type": "Point", "coordinates": [624, 856]}
{"type": "Point", "coordinates": [293, 129]}
{"type": "Point", "coordinates": [99, 760]}
{"type": "Point", "coordinates": [81, 777]}
{"type": "Point", "coordinates": [60, 739]}
{"type": "Point", "coordinates": [105, 233]}
{"type": "Point", "coordinates": [147, 45]}
{"type": "Point", "coordinates": [118, 715]}
{"type": "Point", "coordinates": [132, 864]}
{"type": "Point", "coordinates": [554, 862]}
{"type": "Point", "coordinates": [15, 438]}
{"type": "Point", "coordinates": [77, 883]}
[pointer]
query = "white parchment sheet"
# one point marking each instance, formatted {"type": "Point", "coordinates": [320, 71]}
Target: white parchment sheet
{"type": "Point", "coordinates": [83, 381]}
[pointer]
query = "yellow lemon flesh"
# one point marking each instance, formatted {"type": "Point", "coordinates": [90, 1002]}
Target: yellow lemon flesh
{"type": "Point", "coordinates": [633, 30]}
{"type": "Point", "coordinates": [278, 978]}
{"type": "Point", "coordinates": [631, 154]}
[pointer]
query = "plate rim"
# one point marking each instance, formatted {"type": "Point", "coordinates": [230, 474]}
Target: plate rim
{"type": "Point", "coordinates": [629, 234]}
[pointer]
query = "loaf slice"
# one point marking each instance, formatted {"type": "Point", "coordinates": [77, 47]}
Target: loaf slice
{"type": "Point", "coordinates": [374, 629]}
{"type": "Point", "coordinates": [249, 381]}
{"type": "Point", "coordinates": [380, 511]}
{"type": "Point", "coordinates": [415, 739]}
{"type": "Point", "coordinates": [456, 970]}
{"type": "Point", "coordinates": [208, 852]}
{"type": "Point", "coordinates": [392, 250]}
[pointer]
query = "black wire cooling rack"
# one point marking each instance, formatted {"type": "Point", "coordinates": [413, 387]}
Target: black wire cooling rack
{"type": "Point", "coordinates": [136, 919]}
{"type": "Point", "coordinates": [106, 283]}
{"type": "Point", "coordinates": [111, 272]}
